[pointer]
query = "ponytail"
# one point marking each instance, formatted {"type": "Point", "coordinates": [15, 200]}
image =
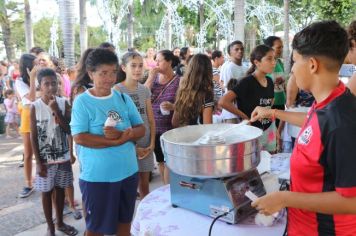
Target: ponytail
{"type": "Point", "coordinates": [121, 74]}
{"type": "Point", "coordinates": [251, 69]}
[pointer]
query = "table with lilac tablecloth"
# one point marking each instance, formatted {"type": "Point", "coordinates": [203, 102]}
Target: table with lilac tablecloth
{"type": "Point", "coordinates": [155, 216]}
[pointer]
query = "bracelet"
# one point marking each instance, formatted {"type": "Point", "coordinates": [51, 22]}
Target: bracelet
{"type": "Point", "coordinates": [273, 118]}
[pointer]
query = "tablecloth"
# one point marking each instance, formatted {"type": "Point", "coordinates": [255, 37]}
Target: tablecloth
{"type": "Point", "coordinates": [156, 217]}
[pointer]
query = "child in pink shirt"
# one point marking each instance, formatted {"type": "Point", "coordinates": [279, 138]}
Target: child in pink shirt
{"type": "Point", "coordinates": [11, 118]}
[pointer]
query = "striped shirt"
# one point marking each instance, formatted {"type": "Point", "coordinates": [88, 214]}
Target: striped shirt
{"type": "Point", "coordinates": [216, 71]}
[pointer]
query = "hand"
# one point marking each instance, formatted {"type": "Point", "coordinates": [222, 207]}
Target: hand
{"type": "Point", "coordinates": [33, 72]}
{"type": "Point", "coordinates": [260, 113]}
{"type": "Point", "coordinates": [153, 72]}
{"type": "Point", "coordinates": [270, 203]}
{"type": "Point", "coordinates": [112, 132]}
{"type": "Point", "coordinates": [53, 104]}
{"type": "Point", "coordinates": [127, 135]}
{"type": "Point", "coordinates": [143, 152]}
{"type": "Point", "coordinates": [222, 85]}
{"type": "Point", "coordinates": [41, 170]}
{"type": "Point", "coordinates": [167, 106]}
{"type": "Point", "coordinates": [72, 158]}
{"type": "Point", "coordinates": [279, 80]}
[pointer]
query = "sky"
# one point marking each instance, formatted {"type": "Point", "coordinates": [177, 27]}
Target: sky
{"type": "Point", "coordinates": [49, 8]}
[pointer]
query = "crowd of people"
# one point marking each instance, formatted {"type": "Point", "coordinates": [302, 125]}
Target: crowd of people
{"type": "Point", "coordinates": [111, 116]}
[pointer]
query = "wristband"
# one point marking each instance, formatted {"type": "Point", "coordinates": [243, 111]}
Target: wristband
{"type": "Point", "coordinates": [273, 118]}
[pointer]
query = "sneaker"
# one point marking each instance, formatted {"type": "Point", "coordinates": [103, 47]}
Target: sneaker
{"type": "Point", "coordinates": [26, 191]}
{"type": "Point", "coordinates": [21, 164]}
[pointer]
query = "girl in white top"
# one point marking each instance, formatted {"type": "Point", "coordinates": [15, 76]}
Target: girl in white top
{"type": "Point", "coordinates": [26, 90]}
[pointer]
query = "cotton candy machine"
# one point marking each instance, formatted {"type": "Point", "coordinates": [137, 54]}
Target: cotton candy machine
{"type": "Point", "coordinates": [211, 168]}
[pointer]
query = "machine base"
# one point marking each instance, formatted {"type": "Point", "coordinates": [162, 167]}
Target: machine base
{"type": "Point", "coordinates": [216, 196]}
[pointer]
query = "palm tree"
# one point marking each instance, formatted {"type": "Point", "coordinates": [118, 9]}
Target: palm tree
{"type": "Point", "coordinates": [239, 20]}
{"type": "Point", "coordinates": [6, 31]}
{"type": "Point", "coordinates": [28, 26]}
{"type": "Point", "coordinates": [201, 13]}
{"type": "Point", "coordinates": [66, 16]}
{"type": "Point", "coordinates": [130, 25]}
{"type": "Point", "coordinates": [286, 36]}
{"type": "Point", "coordinates": [83, 36]}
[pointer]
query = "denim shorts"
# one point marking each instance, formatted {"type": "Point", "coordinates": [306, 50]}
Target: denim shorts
{"type": "Point", "coordinates": [108, 204]}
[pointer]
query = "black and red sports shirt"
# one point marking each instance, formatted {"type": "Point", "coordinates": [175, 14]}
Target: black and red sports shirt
{"type": "Point", "coordinates": [324, 160]}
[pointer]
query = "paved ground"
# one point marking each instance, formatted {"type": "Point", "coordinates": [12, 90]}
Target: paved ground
{"type": "Point", "coordinates": [25, 216]}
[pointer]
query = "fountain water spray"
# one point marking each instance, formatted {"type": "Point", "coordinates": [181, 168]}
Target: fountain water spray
{"type": "Point", "coordinates": [53, 50]}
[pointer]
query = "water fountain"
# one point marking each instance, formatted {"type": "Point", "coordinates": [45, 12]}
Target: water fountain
{"type": "Point", "coordinates": [53, 50]}
{"type": "Point", "coordinates": [225, 27]}
{"type": "Point", "coordinates": [268, 15]}
{"type": "Point", "coordinates": [224, 24]}
{"type": "Point", "coordinates": [172, 24]}
{"type": "Point", "coordinates": [170, 16]}
{"type": "Point", "coordinates": [112, 17]}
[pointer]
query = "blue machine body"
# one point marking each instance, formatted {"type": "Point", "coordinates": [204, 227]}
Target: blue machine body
{"type": "Point", "coordinates": [215, 196]}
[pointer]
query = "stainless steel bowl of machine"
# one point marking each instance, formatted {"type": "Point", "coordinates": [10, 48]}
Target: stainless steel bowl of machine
{"type": "Point", "coordinates": [212, 151]}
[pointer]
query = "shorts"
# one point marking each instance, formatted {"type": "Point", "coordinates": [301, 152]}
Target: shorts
{"type": "Point", "coordinates": [25, 120]}
{"type": "Point", "coordinates": [58, 175]}
{"type": "Point", "coordinates": [11, 118]}
{"type": "Point", "coordinates": [158, 149]}
{"type": "Point", "coordinates": [108, 204]}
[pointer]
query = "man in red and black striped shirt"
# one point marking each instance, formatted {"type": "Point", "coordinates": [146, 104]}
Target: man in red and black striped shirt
{"type": "Point", "coordinates": [322, 200]}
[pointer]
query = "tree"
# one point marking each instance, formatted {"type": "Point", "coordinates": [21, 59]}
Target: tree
{"type": "Point", "coordinates": [28, 26]}
{"type": "Point", "coordinates": [18, 35]}
{"type": "Point", "coordinates": [191, 22]}
{"type": "Point", "coordinates": [66, 15]}
{"type": "Point", "coordinates": [83, 36]}
{"type": "Point", "coordinates": [303, 12]}
{"type": "Point", "coordinates": [239, 20]}
{"type": "Point", "coordinates": [7, 9]}
{"type": "Point", "coordinates": [97, 35]}
{"type": "Point", "coordinates": [201, 13]}
{"type": "Point", "coordinates": [342, 11]}
{"type": "Point", "coordinates": [130, 31]}
{"type": "Point", "coordinates": [42, 38]}
{"type": "Point", "coordinates": [148, 17]}
{"type": "Point", "coordinates": [286, 36]}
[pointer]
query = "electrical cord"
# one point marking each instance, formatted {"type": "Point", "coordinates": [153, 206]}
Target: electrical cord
{"type": "Point", "coordinates": [284, 186]}
{"type": "Point", "coordinates": [218, 217]}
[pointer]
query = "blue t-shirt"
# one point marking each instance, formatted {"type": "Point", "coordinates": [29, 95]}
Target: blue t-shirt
{"type": "Point", "coordinates": [89, 114]}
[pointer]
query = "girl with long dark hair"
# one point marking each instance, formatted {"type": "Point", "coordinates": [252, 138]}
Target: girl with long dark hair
{"type": "Point", "coordinates": [195, 100]}
{"type": "Point", "coordinates": [256, 89]}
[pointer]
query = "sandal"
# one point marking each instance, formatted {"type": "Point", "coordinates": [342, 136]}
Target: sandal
{"type": "Point", "coordinates": [66, 203]}
{"type": "Point", "coordinates": [49, 233]}
{"type": "Point", "coordinates": [77, 214]}
{"type": "Point", "coordinates": [67, 229]}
